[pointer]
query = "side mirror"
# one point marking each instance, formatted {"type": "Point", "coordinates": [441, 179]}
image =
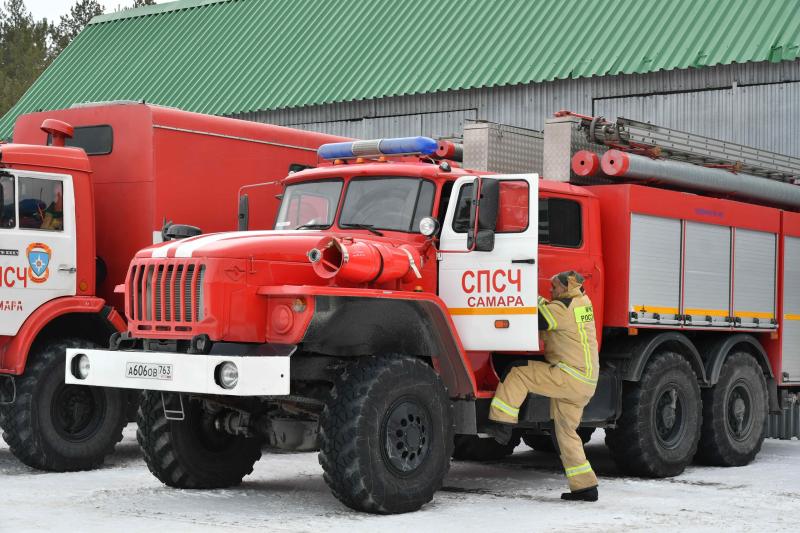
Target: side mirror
{"type": "Point", "coordinates": [244, 212]}
{"type": "Point", "coordinates": [174, 232]}
{"type": "Point", "coordinates": [483, 214]}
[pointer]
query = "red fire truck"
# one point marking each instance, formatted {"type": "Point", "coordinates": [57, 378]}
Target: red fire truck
{"type": "Point", "coordinates": [71, 219]}
{"type": "Point", "coordinates": [396, 289]}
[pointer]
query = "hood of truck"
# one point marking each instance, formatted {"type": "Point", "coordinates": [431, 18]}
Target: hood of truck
{"type": "Point", "coordinates": [283, 246]}
{"type": "Point", "coordinates": [219, 284]}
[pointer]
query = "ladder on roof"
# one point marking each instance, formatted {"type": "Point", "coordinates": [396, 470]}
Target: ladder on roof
{"type": "Point", "coordinates": [628, 134]}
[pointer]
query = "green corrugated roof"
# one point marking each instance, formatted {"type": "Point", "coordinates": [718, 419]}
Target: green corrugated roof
{"type": "Point", "coordinates": [232, 56]}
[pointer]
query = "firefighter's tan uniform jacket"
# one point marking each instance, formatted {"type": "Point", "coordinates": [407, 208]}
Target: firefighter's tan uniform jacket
{"type": "Point", "coordinates": [568, 378]}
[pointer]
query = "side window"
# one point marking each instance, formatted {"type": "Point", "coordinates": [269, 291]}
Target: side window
{"type": "Point", "coordinates": [560, 222]}
{"type": "Point", "coordinates": [7, 202]}
{"type": "Point", "coordinates": [512, 216]}
{"type": "Point", "coordinates": [41, 204]}
{"type": "Point", "coordinates": [461, 216]}
{"type": "Point", "coordinates": [95, 140]}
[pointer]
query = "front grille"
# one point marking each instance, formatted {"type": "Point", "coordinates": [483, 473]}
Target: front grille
{"type": "Point", "coordinates": [166, 292]}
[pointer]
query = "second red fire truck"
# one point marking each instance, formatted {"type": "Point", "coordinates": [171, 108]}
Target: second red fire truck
{"type": "Point", "coordinates": [81, 190]}
{"type": "Point", "coordinates": [377, 318]}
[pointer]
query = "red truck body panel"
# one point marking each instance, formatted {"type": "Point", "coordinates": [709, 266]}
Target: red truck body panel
{"type": "Point", "coordinates": [168, 164]}
{"type": "Point", "coordinates": [619, 202]}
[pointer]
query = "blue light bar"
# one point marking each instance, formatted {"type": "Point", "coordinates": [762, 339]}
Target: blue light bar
{"type": "Point", "coordinates": [378, 147]}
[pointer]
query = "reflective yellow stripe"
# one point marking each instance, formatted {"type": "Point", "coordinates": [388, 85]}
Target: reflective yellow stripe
{"type": "Point", "coordinates": [582, 315]}
{"type": "Point", "coordinates": [791, 317]}
{"type": "Point", "coordinates": [584, 468]}
{"type": "Point", "coordinates": [752, 314]}
{"type": "Point", "coordinates": [575, 374]}
{"type": "Point", "coordinates": [587, 352]}
{"type": "Point", "coordinates": [707, 312]}
{"type": "Point", "coordinates": [497, 403]}
{"type": "Point", "coordinates": [552, 323]}
{"type": "Point", "coordinates": [654, 309]}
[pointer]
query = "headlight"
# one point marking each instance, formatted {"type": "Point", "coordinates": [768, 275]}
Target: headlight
{"type": "Point", "coordinates": [428, 226]}
{"type": "Point", "coordinates": [81, 366]}
{"type": "Point", "coordinates": [227, 375]}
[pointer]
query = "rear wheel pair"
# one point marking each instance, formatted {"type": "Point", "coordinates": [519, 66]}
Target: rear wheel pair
{"type": "Point", "coordinates": [666, 420]}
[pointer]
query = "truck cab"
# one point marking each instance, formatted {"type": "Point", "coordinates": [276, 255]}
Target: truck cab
{"type": "Point", "coordinates": [47, 298]}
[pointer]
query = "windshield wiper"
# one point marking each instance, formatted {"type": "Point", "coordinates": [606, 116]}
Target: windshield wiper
{"type": "Point", "coordinates": [368, 227]}
{"type": "Point", "coordinates": [313, 226]}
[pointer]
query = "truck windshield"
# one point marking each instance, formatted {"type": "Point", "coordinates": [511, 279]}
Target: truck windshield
{"type": "Point", "coordinates": [388, 203]}
{"type": "Point", "coordinates": [310, 205]}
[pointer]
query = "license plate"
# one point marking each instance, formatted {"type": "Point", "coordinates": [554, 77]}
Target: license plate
{"type": "Point", "coordinates": [148, 371]}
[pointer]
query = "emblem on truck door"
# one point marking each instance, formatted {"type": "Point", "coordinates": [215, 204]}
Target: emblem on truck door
{"type": "Point", "coordinates": [39, 260]}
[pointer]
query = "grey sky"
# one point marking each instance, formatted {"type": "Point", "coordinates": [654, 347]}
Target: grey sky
{"type": "Point", "coordinates": [50, 9]}
{"type": "Point", "coordinates": [53, 9]}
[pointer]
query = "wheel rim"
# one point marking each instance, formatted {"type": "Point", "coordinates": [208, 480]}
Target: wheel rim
{"type": "Point", "coordinates": [739, 411]}
{"type": "Point", "coordinates": [406, 436]}
{"type": "Point", "coordinates": [77, 412]}
{"type": "Point", "coordinates": [669, 415]}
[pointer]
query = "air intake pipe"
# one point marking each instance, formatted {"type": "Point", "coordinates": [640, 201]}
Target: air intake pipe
{"type": "Point", "coordinates": [365, 262]}
{"type": "Point", "coordinates": [618, 164]}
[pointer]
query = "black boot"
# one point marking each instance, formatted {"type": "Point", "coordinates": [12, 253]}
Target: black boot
{"type": "Point", "coordinates": [499, 431]}
{"type": "Point", "coordinates": [583, 495]}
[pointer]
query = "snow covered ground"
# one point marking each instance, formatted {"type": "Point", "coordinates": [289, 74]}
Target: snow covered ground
{"type": "Point", "coordinates": [286, 493]}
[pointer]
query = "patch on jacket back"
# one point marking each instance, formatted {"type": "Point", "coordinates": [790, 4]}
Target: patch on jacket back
{"type": "Point", "coordinates": [584, 313]}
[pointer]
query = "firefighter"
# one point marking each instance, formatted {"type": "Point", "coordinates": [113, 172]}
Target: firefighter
{"type": "Point", "coordinates": [568, 378]}
{"type": "Point", "coordinates": [53, 216]}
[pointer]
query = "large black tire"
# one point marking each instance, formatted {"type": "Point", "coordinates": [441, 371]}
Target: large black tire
{"type": "Point", "coordinates": [474, 448]}
{"type": "Point", "coordinates": [386, 435]}
{"type": "Point", "coordinates": [544, 443]}
{"type": "Point", "coordinates": [659, 429]}
{"type": "Point", "coordinates": [191, 453]}
{"type": "Point", "coordinates": [734, 414]}
{"type": "Point", "coordinates": [58, 427]}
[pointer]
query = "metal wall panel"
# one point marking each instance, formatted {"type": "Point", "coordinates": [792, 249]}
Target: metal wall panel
{"type": "Point", "coordinates": [790, 335]}
{"type": "Point", "coordinates": [655, 283]}
{"type": "Point", "coordinates": [447, 124]}
{"type": "Point", "coordinates": [754, 277]}
{"type": "Point", "coordinates": [528, 106]}
{"type": "Point", "coordinates": [707, 274]}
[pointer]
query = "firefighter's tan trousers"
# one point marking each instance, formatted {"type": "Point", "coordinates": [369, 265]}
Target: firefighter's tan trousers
{"type": "Point", "coordinates": [567, 396]}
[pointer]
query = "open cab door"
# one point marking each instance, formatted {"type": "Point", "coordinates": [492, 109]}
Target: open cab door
{"type": "Point", "coordinates": [488, 262]}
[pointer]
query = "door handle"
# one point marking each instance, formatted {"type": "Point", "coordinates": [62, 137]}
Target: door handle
{"type": "Point", "coordinates": [527, 261]}
{"type": "Point", "coordinates": [65, 268]}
